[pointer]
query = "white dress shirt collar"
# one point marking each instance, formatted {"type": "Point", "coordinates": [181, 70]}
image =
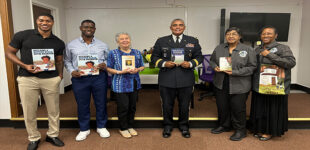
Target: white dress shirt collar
{"type": "Point", "coordinates": [175, 37]}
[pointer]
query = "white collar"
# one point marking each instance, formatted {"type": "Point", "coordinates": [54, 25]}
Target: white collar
{"type": "Point", "coordinates": [175, 37]}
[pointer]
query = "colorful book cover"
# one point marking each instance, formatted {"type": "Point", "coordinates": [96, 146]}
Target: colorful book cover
{"type": "Point", "coordinates": [225, 64]}
{"type": "Point", "coordinates": [128, 62]}
{"type": "Point", "coordinates": [88, 65]}
{"type": "Point", "coordinates": [177, 55]}
{"type": "Point", "coordinates": [271, 80]}
{"type": "Point", "coordinates": [43, 60]}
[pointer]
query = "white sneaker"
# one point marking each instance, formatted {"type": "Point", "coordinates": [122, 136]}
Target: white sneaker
{"type": "Point", "coordinates": [82, 135]}
{"type": "Point", "coordinates": [103, 132]}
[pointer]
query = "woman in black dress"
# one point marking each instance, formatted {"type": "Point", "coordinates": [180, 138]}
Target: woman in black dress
{"type": "Point", "coordinates": [269, 109]}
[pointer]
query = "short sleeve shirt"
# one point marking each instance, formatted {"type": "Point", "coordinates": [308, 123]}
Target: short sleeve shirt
{"type": "Point", "coordinates": [27, 40]}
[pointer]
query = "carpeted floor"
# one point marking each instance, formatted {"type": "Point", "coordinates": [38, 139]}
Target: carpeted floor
{"type": "Point", "coordinates": [149, 105]}
{"type": "Point", "coordinates": [151, 139]}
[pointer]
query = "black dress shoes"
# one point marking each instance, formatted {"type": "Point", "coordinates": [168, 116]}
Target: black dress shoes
{"type": "Point", "coordinates": [55, 141]}
{"type": "Point", "coordinates": [238, 136]}
{"type": "Point", "coordinates": [33, 145]}
{"type": "Point", "coordinates": [186, 133]}
{"type": "Point", "coordinates": [167, 133]}
{"type": "Point", "coordinates": [219, 130]}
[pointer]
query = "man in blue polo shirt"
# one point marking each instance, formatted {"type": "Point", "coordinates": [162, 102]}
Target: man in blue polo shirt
{"type": "Point", "coordinates": [31, 81]}
{"type": "Point", "coordinates": [87, 47]}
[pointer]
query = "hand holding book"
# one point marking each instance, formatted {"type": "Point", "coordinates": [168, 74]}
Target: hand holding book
{"type": "Point", "coordinates": [30, 68]}
{"type": "Point", "coordinates": [185, 64]}
{"type": "Point", "coordinates": [75, 74]}
{"type": "Point", "coordinates": [170, 64]}
{"type": "Point", "coordinates": [102, 66]}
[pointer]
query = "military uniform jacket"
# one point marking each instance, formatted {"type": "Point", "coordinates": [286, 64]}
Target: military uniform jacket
{"type": "Point", "coordinates": [176, 77]}
{"type": "Point", "coordinates": [243, 65]}
{"type": "Point", "coordinates": [280, 55]}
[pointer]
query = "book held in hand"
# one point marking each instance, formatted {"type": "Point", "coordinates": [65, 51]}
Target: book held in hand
{"type": "Point", "coordinates": [43, 60]}
{"type": "Point", "coordinates": [271, 80]}
{"type": "Point", "coordinates": [128, 62]}
{"type": "Point", "coordinates": [177, 55]}
{"type": "Point", "coordinates": [225, 64]}
{"type": "Point", "coordinates": [88, 65]}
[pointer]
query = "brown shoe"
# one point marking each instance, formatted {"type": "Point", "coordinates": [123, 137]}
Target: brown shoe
{"type": "Point", "coordinates": [125, 134]}
{"type": "Point", "coordinates": [133, 132]}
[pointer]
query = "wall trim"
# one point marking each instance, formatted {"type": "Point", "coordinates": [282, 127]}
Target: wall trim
{"type": "Point", "coordinates": [300, 87]}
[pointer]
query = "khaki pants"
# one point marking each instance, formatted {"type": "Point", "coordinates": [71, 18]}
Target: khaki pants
{"type": "Point", "coordinates": [29, 90]}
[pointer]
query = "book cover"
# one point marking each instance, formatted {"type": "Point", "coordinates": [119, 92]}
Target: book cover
{"type": "Point", "coordinates": [128, 62]}
{"type": "Point", "coordinates": [225, 64]}
{"type": "Point", "coordinates": [271, 80]}
{"type": "Point", "coordinates": [177, 55]}
{"type": "Point", "coordinates": [88, 65]}
{"type": "Point", "coordinates": [43, 60]}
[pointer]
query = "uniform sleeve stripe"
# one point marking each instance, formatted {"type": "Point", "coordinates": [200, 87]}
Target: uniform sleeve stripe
{"type": "Point", "coordinates": [196, 62]}
{"type": "Point", "coordinates": [156, 64]}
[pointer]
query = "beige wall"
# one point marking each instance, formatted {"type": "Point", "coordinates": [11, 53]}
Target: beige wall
{"type": "Point", "coordinates": [304, 56]}
{"type": "Point", "coordinates": [148, 20]}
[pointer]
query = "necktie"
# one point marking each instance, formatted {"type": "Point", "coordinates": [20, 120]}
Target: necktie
{"type": "Point", "coordinates": [178, 40]}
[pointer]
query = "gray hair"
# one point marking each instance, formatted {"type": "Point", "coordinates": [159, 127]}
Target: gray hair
{"type": "Point", "coordinates": [177, 19]}
{"type": "Point", "coordinates": [121, 33]}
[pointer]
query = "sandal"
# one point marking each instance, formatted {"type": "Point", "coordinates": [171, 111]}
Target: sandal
{"type": "Point", "coordinates": [133, 132]}
{"type": "Point", "coordinates": [265, 137]}
{"type": "Point", "coordinates": [125, 134]}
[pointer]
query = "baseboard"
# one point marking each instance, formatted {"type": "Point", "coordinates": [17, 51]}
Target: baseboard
{"type": "Point", "coordinates": [68, 88]}
{"type": "Point", "coordinates": [5, 123]}
{"type": "Point", "coordinates": [300, 87]}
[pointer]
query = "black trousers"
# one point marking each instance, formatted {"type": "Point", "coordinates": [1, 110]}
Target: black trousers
{"type": "Point", "coordinates": [231, 109]}
{"type": "Point", "coordinates": [126, 108]}
{"type": "Point", "coordinates": [168, 96]}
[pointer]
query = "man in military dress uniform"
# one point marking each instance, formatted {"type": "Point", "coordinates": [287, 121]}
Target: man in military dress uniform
{"type": "Point", "coordinates": [176, 55]}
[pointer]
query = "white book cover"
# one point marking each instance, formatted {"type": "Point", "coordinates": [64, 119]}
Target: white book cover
{"type": "Point", "coordinates": [128, 62]}
{"type": "Point", "coordinates": [177, 55]}
{"type": "Point", "coordinates": [88, 65]}
{"type": "Point", "coordinates": [43, 60]}
{"type": "Point", "coordinates": [225, 64]}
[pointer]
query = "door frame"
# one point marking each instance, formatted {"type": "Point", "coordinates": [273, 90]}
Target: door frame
{"type": "Point", "coordinates": [11, 69]}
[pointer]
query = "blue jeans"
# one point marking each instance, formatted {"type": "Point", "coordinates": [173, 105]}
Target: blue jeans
{"type": "Point", "coordinates": [83, 87]}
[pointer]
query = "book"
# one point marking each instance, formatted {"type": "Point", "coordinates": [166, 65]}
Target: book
{"type": "Point", "coordinates": [177, 55]}
{"type": "Point", "coordinates": [128, 62]}
{"type": "Point", "coordinates": [225, 64]}
{"type": "Point", "coordinates": [43, 60]}
{"type": "Point", "coordinates": [271, 80]}
{"type": "Point", "coordinates": [88, 65]}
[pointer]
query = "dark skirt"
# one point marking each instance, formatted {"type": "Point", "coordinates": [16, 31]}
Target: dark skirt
{"type": "Point", "coordinates": [269, 114]}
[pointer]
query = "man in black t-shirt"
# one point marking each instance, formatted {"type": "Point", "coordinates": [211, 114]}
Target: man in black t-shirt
{"type": "Point", "coordinates": [31, 44]}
